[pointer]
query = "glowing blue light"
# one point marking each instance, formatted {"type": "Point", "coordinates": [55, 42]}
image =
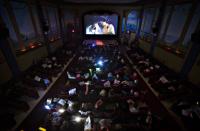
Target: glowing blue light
{"type": "Point", "coordinates": [93, 45]}
{"type": "Point", "coordinates": [46, 81]}
{"type": "Point", "coordinates": [98, 69]}
{"type": "Point", "coordinates": [100, 63]}
{"type": "Point", "coordinates": [47, 107]}
{"type": "Point", "coordinates": [72, 91]}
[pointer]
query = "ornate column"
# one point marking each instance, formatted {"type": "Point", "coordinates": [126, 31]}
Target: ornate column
{"type": "Point", "coordinates": [192, 55]}
{"type": "Point", "coordinates": [32, 18]}
{"type": "Point", "coordinates": [168, 22]}
{"type": "Point", "coordinates": [13, 20]}
{"type": "Point", "coordinates": [61, 22]}
{"type": "Point", "coordinates": [7, 51]}
{"type": "Point", "coordinates": [125, 16]}
{"type": "Point", "coordinates": [44, 25]}
{"type": "Point", "coordinates": [140, 19]}
{"type": "Point", "coordinates": [187, 23]}
{"type": "Point", "coordinates": [157, 28]}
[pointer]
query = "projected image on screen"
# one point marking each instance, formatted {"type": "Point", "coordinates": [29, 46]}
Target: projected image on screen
{"type": "Point", "coordinates": [101, 24]}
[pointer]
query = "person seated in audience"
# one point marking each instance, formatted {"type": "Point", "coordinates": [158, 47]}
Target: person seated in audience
{"type": "Point", "coordinates": [151, 70]}
{"type": "Point", "coordinates": [90, 59]}
{"type": "Point", "coordinates": [68, 52]}
{"type": "Point", "coordinates": [80, 58]}
{"type": "Point", "coordinates": [111, 93]}
{"type": "Point", "coordinates": [149, 119]}
{"type": "Point", "coordinates": [187, 113]}
{"type": "Point", "coordinates": [56, 120]}
{"type": "Point", "coordinates": [135, 78]}
{"type": "Point", "coordinates": [71, 106]}
{"type": "Point", "coordinates": [84, 113]}
{"type": "Point", "coordinates": [160, 82]}
{"type": "Point", "coordinates": [103, 93]}
{"type": "Point", "coordinates": [136, 94]}
{"type": "Point", "coordinates": [110, 76]}
{"type": "Point", "coordinates": [71, 77]}
{"type": "Point", "coordinates": [52, 66]}
{"type": "Point", "coordinates": [86, 107]}
{"type": "Point", "coordinates": [98, 103]}
{"type": "Point", "coordinates": [132, 106]}
{"type": "Point", "coordinates": [81, 83]}
{"type": "Point", "coordinates": [121, 63]}
{"type": "Point", "coordinates": [53, 58]}
{"type": "Point", "coordinates": [45, 82]}
{"type": "Point", "coordinates": [44, 66]}
{"type": "Point", "coordinates": [143, 63]}
{"type": "Point", "coordinates": [117, 76]}
{"type": "Point", "coordinates": [56, 65]}
{"type": "Point", "coordinates": [78, 76]}
{"type": "Point", "coordinates": [105, 124]}
{"type": "Point", "coordinates": [148, 71]}
{"type": "Point", "coordinates": [86, 75]}
{"type": "Point", "coordinates": [119, 72]}
{"type": "Point", "coordinates": [94, 76]}
{"type": "Point", "coordinates": [188, 109]}
{"type": "Point", "coordinates": [88, 124]}
{"type": "Point", "coordinates": [126, 83]}
{"type": "Point", "coordinates": [85, 86]}
{"type": "Point", "coordinates": [116, 82]}
{"type": "Point", "coordinates": [107, 84]}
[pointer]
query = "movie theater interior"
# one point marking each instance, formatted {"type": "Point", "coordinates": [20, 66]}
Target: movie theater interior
{"type": "Point", "coordinates": [99, 65]}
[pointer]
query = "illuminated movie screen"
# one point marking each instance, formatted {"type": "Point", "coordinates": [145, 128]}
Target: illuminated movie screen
{"type": "Point", "coordinates": [101, 24]}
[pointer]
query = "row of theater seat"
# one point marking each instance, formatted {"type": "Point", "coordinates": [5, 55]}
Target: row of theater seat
{"type": "Point", "coordinates": [183, 96]}
{"type": "Point", "coordinates": [16, 93]}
